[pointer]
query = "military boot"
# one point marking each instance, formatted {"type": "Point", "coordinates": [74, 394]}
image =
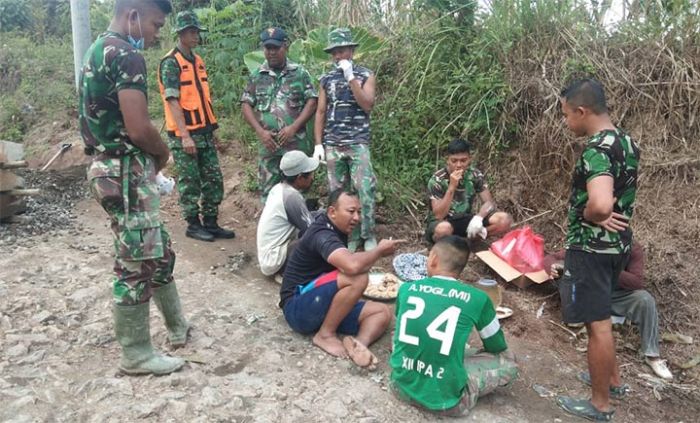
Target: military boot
{"type": "Point", "coordinates": [196, 230]}
{"type": "Point", "coordinates": [133, 333]}
{"type": "Point", "coordinates": [168, 302]}
{"type": "Point", "coordinates": [216, 230]}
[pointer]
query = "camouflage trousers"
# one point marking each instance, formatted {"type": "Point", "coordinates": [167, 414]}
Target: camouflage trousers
{"type": "Point", "coordinates": [126, 189]}
{"type": "Point", "coordinates": [349, 166]}
{"type": "Point", "coordinates": [199, 177]}
{"type": "Point", "coordinates": [485, 373]}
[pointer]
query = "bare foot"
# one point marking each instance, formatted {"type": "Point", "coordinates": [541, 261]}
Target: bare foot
{"type": "Point", "coordinates": [358, 353]}
{"type": "Point", "coordinates": [330, 344]}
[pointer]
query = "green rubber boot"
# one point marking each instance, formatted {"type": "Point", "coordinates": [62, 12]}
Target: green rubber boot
{"type": "Point", "coordinates": [168, 302]}
{"type": "Point", "coordinates": [134, 335]}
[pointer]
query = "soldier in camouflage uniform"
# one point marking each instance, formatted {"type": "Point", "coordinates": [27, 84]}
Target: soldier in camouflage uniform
{"type": "Point", "coordinates": [342, 133]}
{"type": "Point", "coordinates": [190, 122]}
{"type": "Point", "coordinates": [127, 152]}
{"type": "Point", "coordinates": [452, 191]}
{"type": "Point", "coordinates": [598, 239]}
{"type": "Point", "coordinates": [277, 103]}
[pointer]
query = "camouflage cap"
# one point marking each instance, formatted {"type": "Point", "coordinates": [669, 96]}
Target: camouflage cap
{"type": "Point", "coordinates": [340, 37]}
{"type": "Point", "coordinates": [273, 36]}
{"type": "Point", "coordinates": [187, 19]}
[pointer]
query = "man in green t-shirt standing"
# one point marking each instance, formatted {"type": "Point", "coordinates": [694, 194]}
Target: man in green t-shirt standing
{"type": "Point", "coordinates": [434, 319]}
{"type": "Point", "coordinates": [598, 240]}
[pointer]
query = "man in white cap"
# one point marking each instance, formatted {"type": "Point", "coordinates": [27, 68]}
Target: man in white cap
{"type": "Point", "coordinates": [285, 216]}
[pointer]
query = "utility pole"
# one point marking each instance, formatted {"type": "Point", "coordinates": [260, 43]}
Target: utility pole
{"type": "Point", "coordinates": [80, 21]}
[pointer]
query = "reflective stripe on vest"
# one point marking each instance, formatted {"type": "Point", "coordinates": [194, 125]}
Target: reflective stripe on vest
{"type": "Point", "coordinates": [195, 100]}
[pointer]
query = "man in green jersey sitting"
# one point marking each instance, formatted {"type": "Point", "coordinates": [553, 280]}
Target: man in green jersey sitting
{"type": "Point", "coordinates": [434, 318]}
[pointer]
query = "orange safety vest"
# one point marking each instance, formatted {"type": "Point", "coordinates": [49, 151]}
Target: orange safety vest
{"type": "Point", "coordinates": [194, 96]}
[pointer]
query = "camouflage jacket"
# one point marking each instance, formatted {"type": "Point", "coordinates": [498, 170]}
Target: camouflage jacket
{"type": "Point", "coordinates": [111, 64]}
{"type": "Point", "coordinates": [612, 153]}
{"type": "Point", "coordinates": [278, 99]}
{"type": "Point", "coordinates": [471, 184]}
{"type": "Point", "coordinates": [346, 122]}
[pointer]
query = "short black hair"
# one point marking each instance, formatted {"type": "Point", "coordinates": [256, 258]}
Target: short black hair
{"type": "Point", "coordinates": [336, 193]}
{"type": "Point", "coordinates": [458, 146]}
{"type": "Point", "coordinates": [453, 253]}
{"type": "Point", "coordinates": [290, 179]}
{"type": "Point", "coordinates": [588, 93]}
{"type": "Point", "coordinates": [164, 6]}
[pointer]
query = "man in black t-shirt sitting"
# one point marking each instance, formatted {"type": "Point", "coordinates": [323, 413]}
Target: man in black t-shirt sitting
{"type": "Point", "coordinates": [323, 282]}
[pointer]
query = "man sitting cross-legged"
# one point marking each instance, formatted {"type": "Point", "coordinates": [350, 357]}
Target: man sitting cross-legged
{"type": "Point", "coordinates": [323, 283]}
{"type": "Point", "coordinates": [452, 191]}
{"type": "Point", "coordinates": [434, 319]}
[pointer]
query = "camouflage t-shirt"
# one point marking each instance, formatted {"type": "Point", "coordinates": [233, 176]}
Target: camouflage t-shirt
{"type": "Point", "coordinates": [111, 64]}
{"type": "Point", "coordinates": [346, 122]}
{"type": "Point", "coordinates": [612, 153]}
{"type": "Point", "coordinates": [472, 183]}
{"type": "Point", "coordinates": [279, 98]}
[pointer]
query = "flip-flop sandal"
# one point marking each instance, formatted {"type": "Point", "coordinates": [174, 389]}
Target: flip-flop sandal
{"type": "Point", "coordinates": [616, 392]}
{"type": "Point", "coordinates": [584, 408]}
{"type": "Point", "coordinates": [358, 353]}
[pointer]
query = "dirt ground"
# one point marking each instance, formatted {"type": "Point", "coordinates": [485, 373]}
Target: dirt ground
{"type": "Point", "coordinates": [58, 354]}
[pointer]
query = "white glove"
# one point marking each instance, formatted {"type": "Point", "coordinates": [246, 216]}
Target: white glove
{"type": "Point", "coordinates": [346, 66]}
{"type": "Point", "coordinates": [476, 227]}
{"type": "Point", "coordinates": [319, 153]}
{"type": "Point", "coordinates": [165, 184]}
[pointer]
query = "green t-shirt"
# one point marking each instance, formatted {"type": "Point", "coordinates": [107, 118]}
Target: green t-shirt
{"type": "Point", "coordinates": [612, 153]}
{"type": "Point", "coordinates": [434, 317]}
{"type": "Point", "coordinates": [111, 64]}
{"type": "Point", "coordinates": [472, 183]}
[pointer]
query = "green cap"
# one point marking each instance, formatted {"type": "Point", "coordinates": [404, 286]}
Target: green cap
{"type": "Point", "coordinates": [339, 37]}
{"type": "Point", "coordinates": [187, 19]}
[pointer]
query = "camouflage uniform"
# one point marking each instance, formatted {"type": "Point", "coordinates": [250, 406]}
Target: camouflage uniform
{"type": "Point", "coordinates": [346, 138]}
{"type": "Point", "coordinates": [472, 183]}
{"type": "Point", "coordinates": [277, 100]}
{"type": "Point", "coordinates": [198, 176]}
{"type": "Point", "coordinates": [121, 176]}
{"type": "Point", "coordinates": [611, 153]}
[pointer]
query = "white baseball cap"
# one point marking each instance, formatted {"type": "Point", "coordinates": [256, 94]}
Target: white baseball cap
{"type": "Point", "coordinates": [295, 162]}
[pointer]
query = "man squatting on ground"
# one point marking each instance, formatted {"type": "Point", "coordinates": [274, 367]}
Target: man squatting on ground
{"type": "Point", "coordinates": [323, 283]}
{"type": "Point", "coordinates": [452, 191]}
{"type": "Point", "coordinates": [128, 152]}
{"type": "Point", "coordinates": [598, 240]}
{"type": "Point", "coordinates": [190, 122]}
{"type": "Point", "coordinates": [631, 301]}
{"type": "Point", "coordinates": [434, 319]}
{"type": "Point", "coordinates": [341, 127]}
{"type": "Point", "coordinates": [277, 102]}
{"type": "Point", "coordinates": [285, 216]}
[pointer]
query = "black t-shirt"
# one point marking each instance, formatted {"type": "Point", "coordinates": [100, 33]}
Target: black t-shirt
{"type": "Point", "coordinates": [310, 257]}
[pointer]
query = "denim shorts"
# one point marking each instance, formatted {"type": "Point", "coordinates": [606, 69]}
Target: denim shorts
{"type": "Point", "coordinates": [307, 309]}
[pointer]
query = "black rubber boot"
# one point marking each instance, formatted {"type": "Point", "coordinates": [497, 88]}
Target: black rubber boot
{"type": "Point", "coordinates": [196, 230]}
{"type": "Point", "coordinates": [216, 230]}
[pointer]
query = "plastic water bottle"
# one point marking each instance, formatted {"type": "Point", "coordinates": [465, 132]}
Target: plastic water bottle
{"type": "Point", "coordinates": [491, 288]}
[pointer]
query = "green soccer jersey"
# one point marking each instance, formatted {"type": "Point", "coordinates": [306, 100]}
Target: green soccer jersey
{"type": "Point", "coordinates": [608, 153]}
{"type": "Point", "coordinates": [434, 317]}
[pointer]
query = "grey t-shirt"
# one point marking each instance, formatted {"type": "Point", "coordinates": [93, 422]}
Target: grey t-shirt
{"type": "Point", "coordinates": [283, 218]}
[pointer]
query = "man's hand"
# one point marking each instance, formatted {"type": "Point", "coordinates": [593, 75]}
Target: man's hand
{"type": "Point", "coordinates": [387, 247]}
{"type": "Point", "coordinates": [456, 177]}
{"type": "Point", "coordinates": [556, 270]}
{"type": "Point", "coordinates": [188, 145]}
{"type": "Point", "coordinates": [346, 67]}
{"type": "Point", "coordinates": [267, 139]}
{"type": "Point", "coordinates": [319, 153]}
{"type": "Point", "coordinates": [476, 227]}
{"type": "Point", "coordinates": [286, 134]}
{"type": "Point", "coordinates": [615, 223]}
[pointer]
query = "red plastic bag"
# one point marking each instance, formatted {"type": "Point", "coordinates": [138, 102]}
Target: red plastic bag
{"type": "Point", "coordinates": [521, 248]}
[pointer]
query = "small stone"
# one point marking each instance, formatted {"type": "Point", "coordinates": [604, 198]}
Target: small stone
{"type": "Point", "coordinates": [17, 351]}
{"type": "Point", "coordinates": [43, 317]}
{"type": "Point", "coordinates": [210, 397]}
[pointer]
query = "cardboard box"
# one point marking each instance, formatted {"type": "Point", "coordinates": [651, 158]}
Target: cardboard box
{"type": "Point", "coordinates": [510, 274]}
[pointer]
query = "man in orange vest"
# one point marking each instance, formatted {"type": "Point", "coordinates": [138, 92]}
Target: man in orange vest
{"type": "Point", "coordinates": [190, 121]}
